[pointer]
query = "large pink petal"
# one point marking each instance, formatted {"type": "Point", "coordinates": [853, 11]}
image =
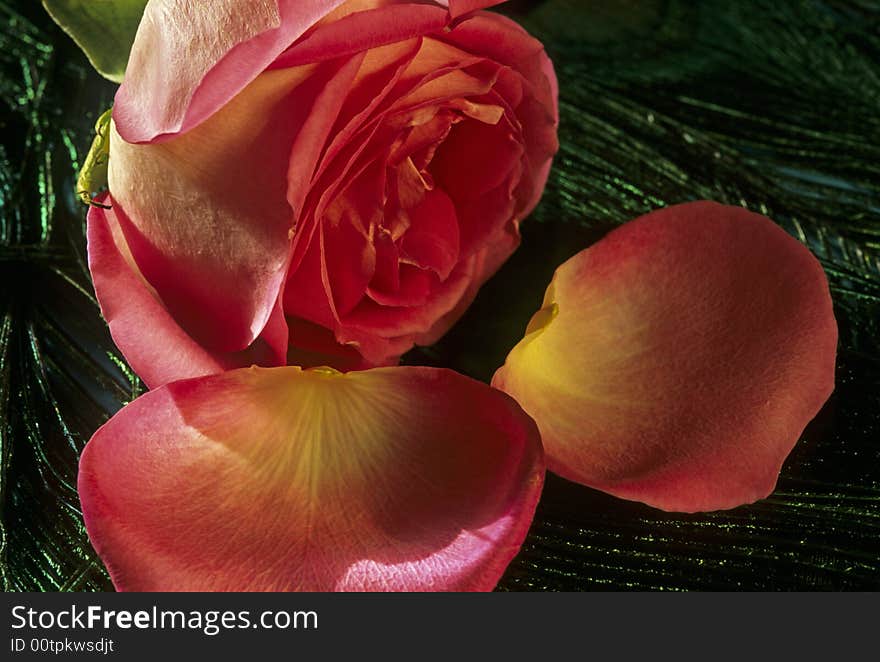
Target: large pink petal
{"type": "Point", "coordinates": [677, 361]}
{"type": "Point", "coordinates": [273, 480]}
{"type": "Point", "coordinates": [206, 214]}
{"type": "Point", "coordinates": [190, 58]}
{"type": "Point", "coordinates": [153, 343]}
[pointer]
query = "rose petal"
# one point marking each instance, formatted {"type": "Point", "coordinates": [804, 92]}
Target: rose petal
{"type": "Point", "coordinates": [450, 86]}
{"type": "Point", "coordinates": [349, 263]}
{"type": "Point", "coordinates": [376, 350]}
{"type": "Point", "coordinates": [199, 222]}
{"type": "Point", "coordinates": [379, 74]}
{"type": "Point", "coordinates": [361, 142]}
{"type": "Point", "coordinates": [190, 58]}
{"type": "Point", "coordinates": [153, 343]}
{"type": "Point", "coordinates": [271, 480]}
{"type": "Point", "coordinates": [506, 42]}
{"type": "Point", "coordinates": [481, 186]}
{"type": "Point", "coordinates": [677, 361]}
{"type": "Point", "coordinates": [307, 293]}
{"type": "Point", "coordinates": [387, 276]}
{"type": "Point", "coordinates": [362, 31]}
{"type": "Point", "coordinates": [483, 218]}
{"type": "Point", "coordinates": [429, 129]}
{"type": "Point", "coordinates": [384, 333]}
{"type": "Point", "coordinates": [416, 287]}
{"type": "Point", "coordinates": [317, 119]}
{"type": "Point", "coordinates": [460, 7]}
{"type": "Point", "coordinates": [370, 317]}
{"type": "Point", "coordinates": [432, 239]}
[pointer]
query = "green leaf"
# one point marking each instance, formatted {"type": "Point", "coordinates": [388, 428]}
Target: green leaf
{"type": "Point", "coordinates": [104, 29]}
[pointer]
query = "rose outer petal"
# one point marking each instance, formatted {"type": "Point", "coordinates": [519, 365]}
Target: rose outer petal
{"type": "Point", "coordinates": [153, 343]}
{"type": "Point", "coordinates": [283, 479]}
{"type": "Point", "coordinates": [190, 58]}
{"type": "Point", "coordinates": [677, 361]}
{"type": "Point", "coordinates": [367, 28]}
{"type": "Point", "coordinates": [206, 215]}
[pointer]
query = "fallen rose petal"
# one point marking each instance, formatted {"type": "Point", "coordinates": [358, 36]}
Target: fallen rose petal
{"type": "Point", "coordinates": [283, 479]}
{"type": "Point", "coordinates": [677, 361]}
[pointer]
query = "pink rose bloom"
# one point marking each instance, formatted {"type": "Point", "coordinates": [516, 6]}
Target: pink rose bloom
{"type": "Point", "coordinates": [314, 181]}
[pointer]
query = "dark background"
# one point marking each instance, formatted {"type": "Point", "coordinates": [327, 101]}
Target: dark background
{"type": "Point", "coordinates": [770, 104]}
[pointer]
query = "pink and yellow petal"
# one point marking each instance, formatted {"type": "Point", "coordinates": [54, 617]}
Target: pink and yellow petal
{"type": "Point", "coordinates": [282, 479]}
{"type": "Point", "coordinates": [677, 361]}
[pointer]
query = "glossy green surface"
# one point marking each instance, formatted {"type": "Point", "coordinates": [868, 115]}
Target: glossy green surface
{"type": "Point", "coordinates": [769, 104]}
